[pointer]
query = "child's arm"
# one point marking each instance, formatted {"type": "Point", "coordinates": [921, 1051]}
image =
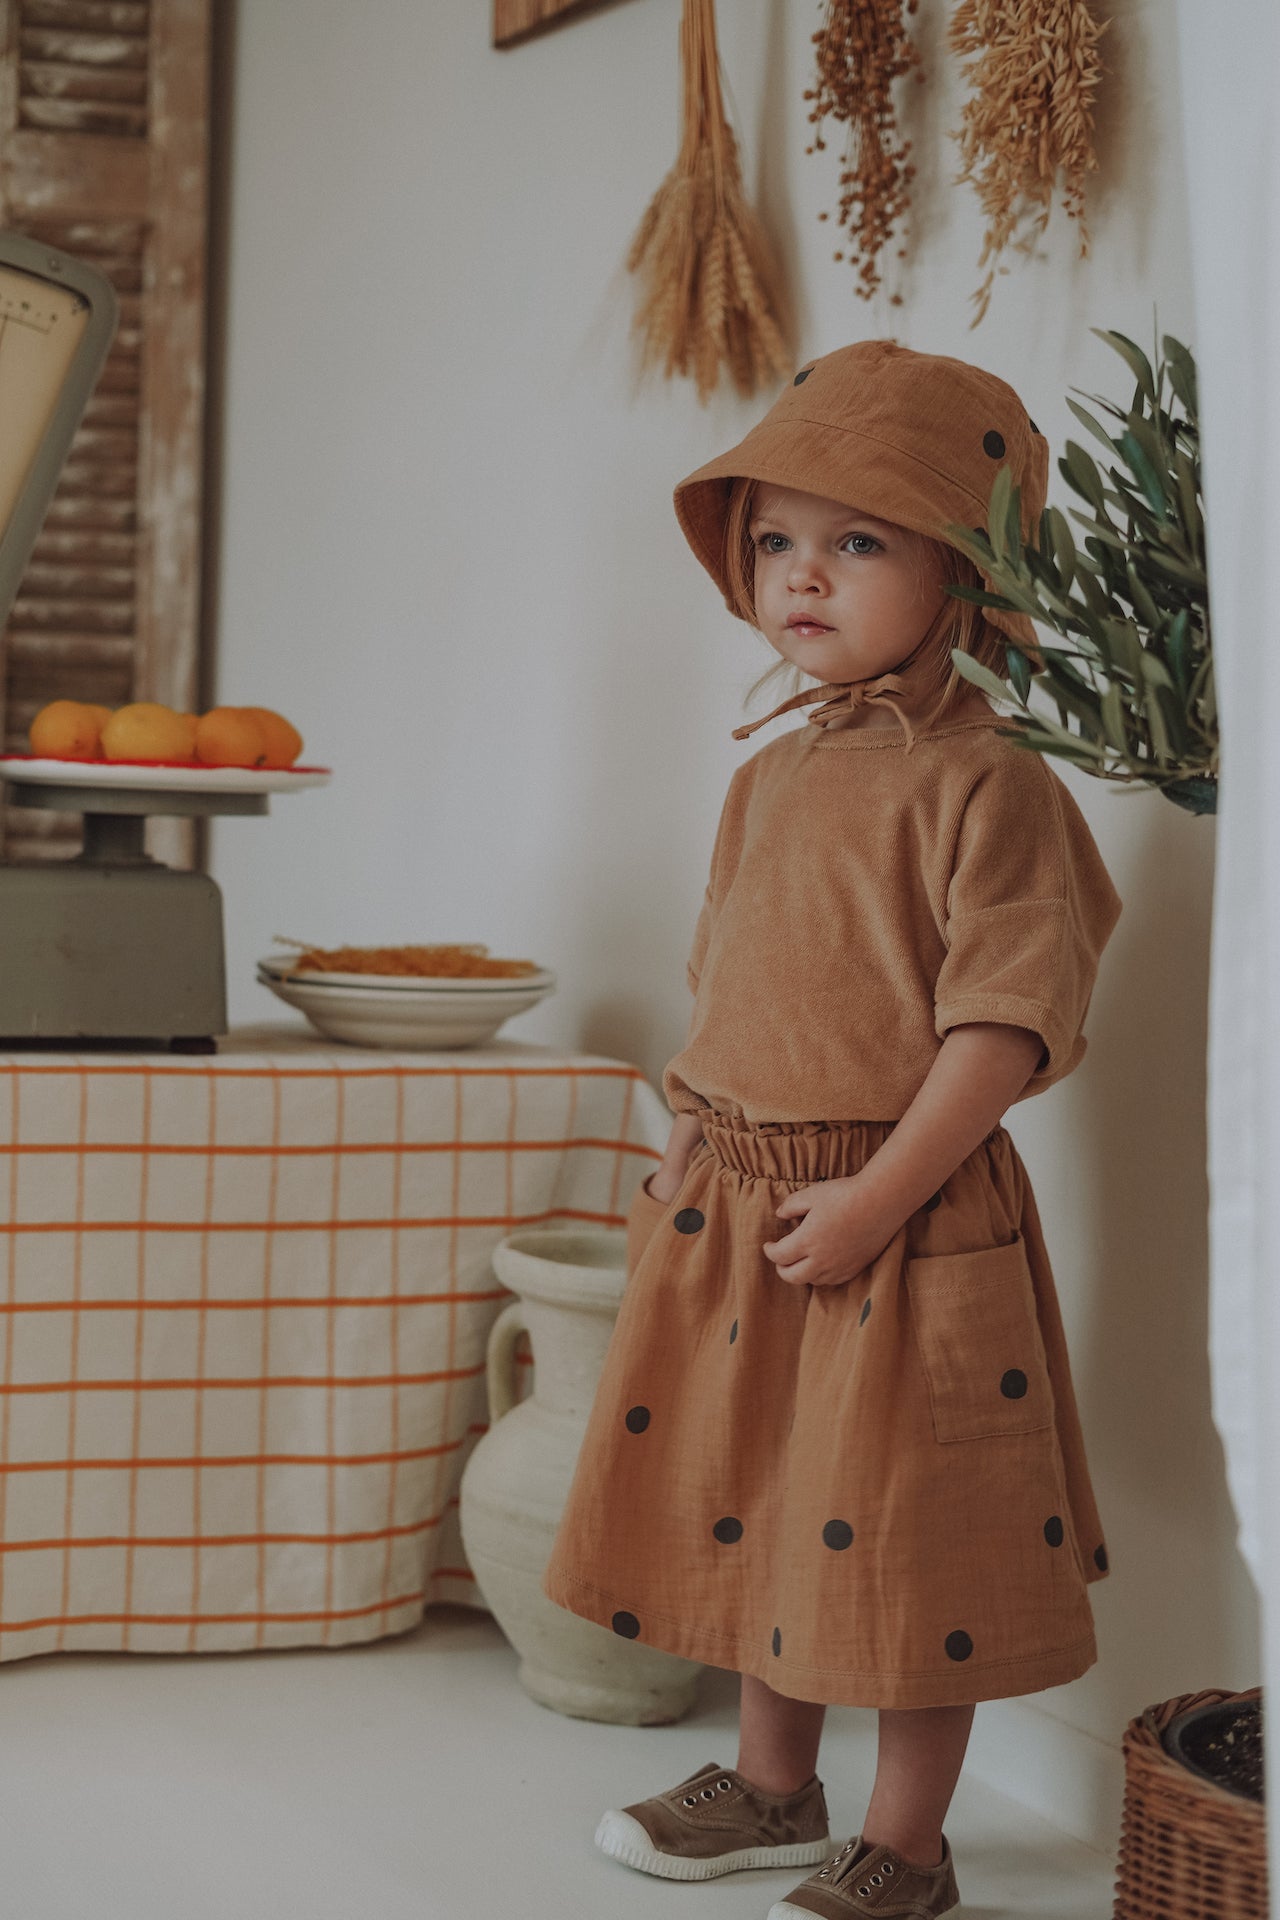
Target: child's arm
{"type": "Point", "coordinates": [980, 1069]}
{"type": "Point", "coordinates": [665, 1181]}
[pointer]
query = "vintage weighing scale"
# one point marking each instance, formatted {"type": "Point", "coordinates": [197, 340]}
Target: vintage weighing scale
{"type": "Point", "coordinates": [111, 945]}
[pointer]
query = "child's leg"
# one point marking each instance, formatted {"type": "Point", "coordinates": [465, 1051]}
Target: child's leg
{"type": "Point", "coordinates": [921, 1752]}
{"type": "Point", "coordinates": [777, 1738]}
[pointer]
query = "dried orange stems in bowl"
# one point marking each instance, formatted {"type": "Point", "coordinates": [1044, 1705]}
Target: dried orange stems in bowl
{"type": "Point", "coordinates": [450, 962]}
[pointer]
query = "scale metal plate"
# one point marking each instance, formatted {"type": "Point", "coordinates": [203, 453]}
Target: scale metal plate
{"type": "Point", "coordinates": [111, 945]}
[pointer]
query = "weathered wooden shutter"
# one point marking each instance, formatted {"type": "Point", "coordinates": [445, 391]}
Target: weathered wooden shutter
{"type": "Point", "coordinates": [104, 154]}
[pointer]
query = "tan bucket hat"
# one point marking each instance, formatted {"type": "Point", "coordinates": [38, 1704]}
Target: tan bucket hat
{"type": "Point", "coordinates": [916, 438]}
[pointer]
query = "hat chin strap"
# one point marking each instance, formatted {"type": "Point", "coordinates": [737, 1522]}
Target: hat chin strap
{"type": "Point", "coordinates": [840, 697]}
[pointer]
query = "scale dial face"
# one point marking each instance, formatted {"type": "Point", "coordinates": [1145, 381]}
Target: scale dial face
{"type": "Point", "coordinates": [41, 327]}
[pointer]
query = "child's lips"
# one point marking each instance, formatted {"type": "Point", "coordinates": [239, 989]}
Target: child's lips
{"type": "Point", "coordinates": [808, 628]}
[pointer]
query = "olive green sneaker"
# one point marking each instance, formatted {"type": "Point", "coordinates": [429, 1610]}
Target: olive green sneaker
{"type": "Point", "coordinates": [716, 1822]}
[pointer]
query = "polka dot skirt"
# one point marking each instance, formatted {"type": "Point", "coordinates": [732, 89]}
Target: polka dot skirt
{"type": "Point", "coordinates": [872, 1494]}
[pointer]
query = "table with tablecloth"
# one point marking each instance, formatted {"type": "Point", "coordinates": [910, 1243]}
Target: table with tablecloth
{"type": "Point", "coordinates": [244, 1303]}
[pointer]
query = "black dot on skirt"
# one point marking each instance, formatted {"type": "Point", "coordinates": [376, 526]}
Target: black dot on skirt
{"type": "Point", "coordinates": [802, 376]}
{"type": "Point", "coordinates": [866, 1308]}
{"type": "Point", "coordinates": [993, 444]}
{"type": "Point", "coordinates": [777, 1640]}
{"type": "Point", "coordinates": [637, 1419]}
{"type": "Point", "coordinates": [1053, 1530]}
{"type": "Point", "coordinates": [1013, 1384]}
{"type": "Point", "coordinates": [838, 1534]}
{"type": "Point", "coordinates": [1100, 1559]}
{"type": "Point", "coordinates": [688, 1220]}
{"type": "Point", "coordinates": [727, 1530]}
{"type": "Point", "coordinates": [935, 1200]}
{"type": "Point", "coordinates": [626, 1624]}
{"type": "Point", "coordinates": [733, 1333]}
{"type": "Point", "coordinates": [958, 1644]}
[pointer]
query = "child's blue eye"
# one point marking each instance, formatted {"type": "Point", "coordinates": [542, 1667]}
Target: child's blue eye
{"type": "Point", "coordinates": [868, 545]}
{"type": "Point", "coordinates": [762, 542]}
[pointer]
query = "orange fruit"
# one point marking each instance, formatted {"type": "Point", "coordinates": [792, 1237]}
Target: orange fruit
{"type": "Point", "coordinates": [230, 737]}
{"type": "Point", "coordinates": [190, 721]}
{"type": "Point", "coordinates": [284, 742]}
{"type": "Point", "coordinates": [65, 730]}
{"type": "Point", "coordinates": [145, 730]}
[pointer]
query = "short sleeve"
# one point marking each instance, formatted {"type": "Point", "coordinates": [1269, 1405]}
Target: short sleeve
{"type": "Point", "coordinates": [1030, 908]}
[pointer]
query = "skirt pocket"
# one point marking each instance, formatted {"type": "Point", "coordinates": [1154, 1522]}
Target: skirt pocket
{"type": "Point", "coordinates": [979, 1341]}
{"type": "Point", "coordinates": [643, 1216]}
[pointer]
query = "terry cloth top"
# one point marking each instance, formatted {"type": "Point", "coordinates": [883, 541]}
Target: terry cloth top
{"type": "Point", "coordinates": [864, 899]}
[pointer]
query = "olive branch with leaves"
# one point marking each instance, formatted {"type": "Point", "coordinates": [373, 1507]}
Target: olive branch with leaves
{"type": "Point", "coordinates": [1132, 602]}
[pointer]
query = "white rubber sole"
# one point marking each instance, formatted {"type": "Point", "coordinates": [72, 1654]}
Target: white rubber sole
{"type": "Point", "coordinates": [624, 1839]}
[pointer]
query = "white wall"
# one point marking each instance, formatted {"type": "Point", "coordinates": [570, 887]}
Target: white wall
{"type": "Point", "coordinates": [446, 549]}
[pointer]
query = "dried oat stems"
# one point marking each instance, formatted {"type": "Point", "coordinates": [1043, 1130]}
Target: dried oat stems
{"type": "Point", "coordinates": [1033, 73]}
{"type": "Point", "coordinates": [863, 47]}
{"type": "Point", "coordinates": [711, 293]}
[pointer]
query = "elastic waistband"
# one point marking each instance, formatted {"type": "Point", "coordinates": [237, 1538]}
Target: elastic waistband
{"type": "Point", "coordinates": [798, 1150]}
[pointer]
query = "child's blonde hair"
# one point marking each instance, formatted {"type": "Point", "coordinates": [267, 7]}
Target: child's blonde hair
{"type": "Point", "coordinates": [968, 628]}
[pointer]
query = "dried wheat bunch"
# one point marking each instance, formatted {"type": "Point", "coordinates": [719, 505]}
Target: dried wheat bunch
{"type": "Point", "coordinates": [863, 47]}
{"type": "Point", "coordinates": [1033, 73]}
{"type": "Point", "coordinates": [711, 290]}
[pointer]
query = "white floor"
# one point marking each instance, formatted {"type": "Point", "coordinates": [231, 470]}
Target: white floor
{"type": "Point", "coordinates": [412, 1779]}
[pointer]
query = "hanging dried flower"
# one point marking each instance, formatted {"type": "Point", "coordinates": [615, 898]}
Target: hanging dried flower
{"type": "Point", "coordinates": [712, 293]}
{"type": "Point", "coordinates": [1033, 74]}
{"type": "Point", "coordinates": [863, 47]}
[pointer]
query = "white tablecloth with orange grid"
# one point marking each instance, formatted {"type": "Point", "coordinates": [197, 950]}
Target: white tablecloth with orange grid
{"type": "Point", "coordinates": [244, 1301]}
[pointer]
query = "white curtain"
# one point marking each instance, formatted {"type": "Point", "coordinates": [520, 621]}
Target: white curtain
{"type": "Point", "coordinates": [1230, 60]}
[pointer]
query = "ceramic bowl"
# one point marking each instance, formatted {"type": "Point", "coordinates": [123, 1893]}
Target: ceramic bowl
{"type": "Point", "coordinates": [420, 1016]}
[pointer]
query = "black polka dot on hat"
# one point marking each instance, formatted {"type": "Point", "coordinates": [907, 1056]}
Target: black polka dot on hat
{"type": "Point", "coordinates": [993, 444]}
{"type": "Point", "coordinates": [1053, 1530]}
{"type": "Point", "coordinates": [934, 1200]}
{"type": "Point", "coordinates": [626, 1624]}
{"type": "Point", "coordinates": [802, 376]}
{"type": "Point", "coordinates": [837, 1534]}
{"type": "Point", "coordinates": [637, 1419]}
{"type": "Point", "coordinates": [866, 1308]}
{"type": "Point", "coordinates": [1100, 1559]}
{"type": "Point", "coordinates": [733, 1333]}
{"type": "Point", "coordinates": [1013, 1383]}
{"type": "Point", "coordinates": [958, 1644]}
{"type": "Point", "coordinates": [777, 1640]}
{"type": "Point", "coordinates": [1034, 428]}
{"type": "Point", "coordinates": [728, 1530]}
{"type": "Point", "coordinates": [689, 1220]}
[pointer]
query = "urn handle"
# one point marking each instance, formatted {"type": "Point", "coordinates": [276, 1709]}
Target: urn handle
{"type": "Point", "coordinates": [500, 1359]}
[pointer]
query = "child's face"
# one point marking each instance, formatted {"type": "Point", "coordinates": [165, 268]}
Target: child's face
{"type": "Point", "coordinates": [842, 594]}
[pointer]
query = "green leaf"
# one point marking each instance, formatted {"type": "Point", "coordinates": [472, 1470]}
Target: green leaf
{"type": "Point", "coordinates": [1144, 605]}
{"type": "Point", "coordinates": [1019, 671]}
{"type": "Point", "coordinates": [979, 676]}
{"type": "Point", "coordinates": [980, 598]}
{"type": "Point", "coordinates": [1182, 372]}
{"type": "Point", "coordinates": [1087, 420]}
{"type": "Point", "coordinates": [1133, 356]}
{"type": "Point", "coordinates": [998, 509]}
{"type": "Point", "coordinates": [1145, 474]}
{"type": "Point", "coordinates": [1113, 720]}
{"type": "Point", "coordinates": [1176, 649]}
{"type": "Point", "coordinates": [1082, 476]}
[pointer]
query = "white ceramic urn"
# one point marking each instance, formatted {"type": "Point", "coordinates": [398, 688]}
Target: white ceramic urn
{"type": "Point", "coordinates": [515, 1484]}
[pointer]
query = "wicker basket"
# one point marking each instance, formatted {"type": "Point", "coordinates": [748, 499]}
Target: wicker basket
{"type": "Point", "coordinates": [1189, 1850]}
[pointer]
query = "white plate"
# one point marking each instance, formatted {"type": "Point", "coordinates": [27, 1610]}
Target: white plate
{"type": "Point", "coordinates": [139, 778]}
{"type": "Point", "coordinates": [387, 1017]}
{"type": "Point", "coordinates": [277, 967]}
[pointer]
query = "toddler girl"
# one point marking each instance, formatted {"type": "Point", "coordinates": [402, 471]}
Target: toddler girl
{"type": "Point", "coordinates": [835, 1446]}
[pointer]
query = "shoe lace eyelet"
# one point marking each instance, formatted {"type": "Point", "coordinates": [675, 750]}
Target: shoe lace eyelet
{"type": "Point", "coordinates": [876, 1880]}
{"type": "Point", "coordinates": [691, 1800]}
{"type": "Point", "coordinates": [708, 1793]}
{"type": "Point", "coordinates": [887, 1867]}
{"type": "Point", "coordinates": [864, 1891]}
{"type": "Point", "coordinates": [724, 1786]}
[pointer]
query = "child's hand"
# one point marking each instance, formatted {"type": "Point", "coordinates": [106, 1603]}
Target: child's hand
{"type": "Point", "coordinates": [837, 1236]}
